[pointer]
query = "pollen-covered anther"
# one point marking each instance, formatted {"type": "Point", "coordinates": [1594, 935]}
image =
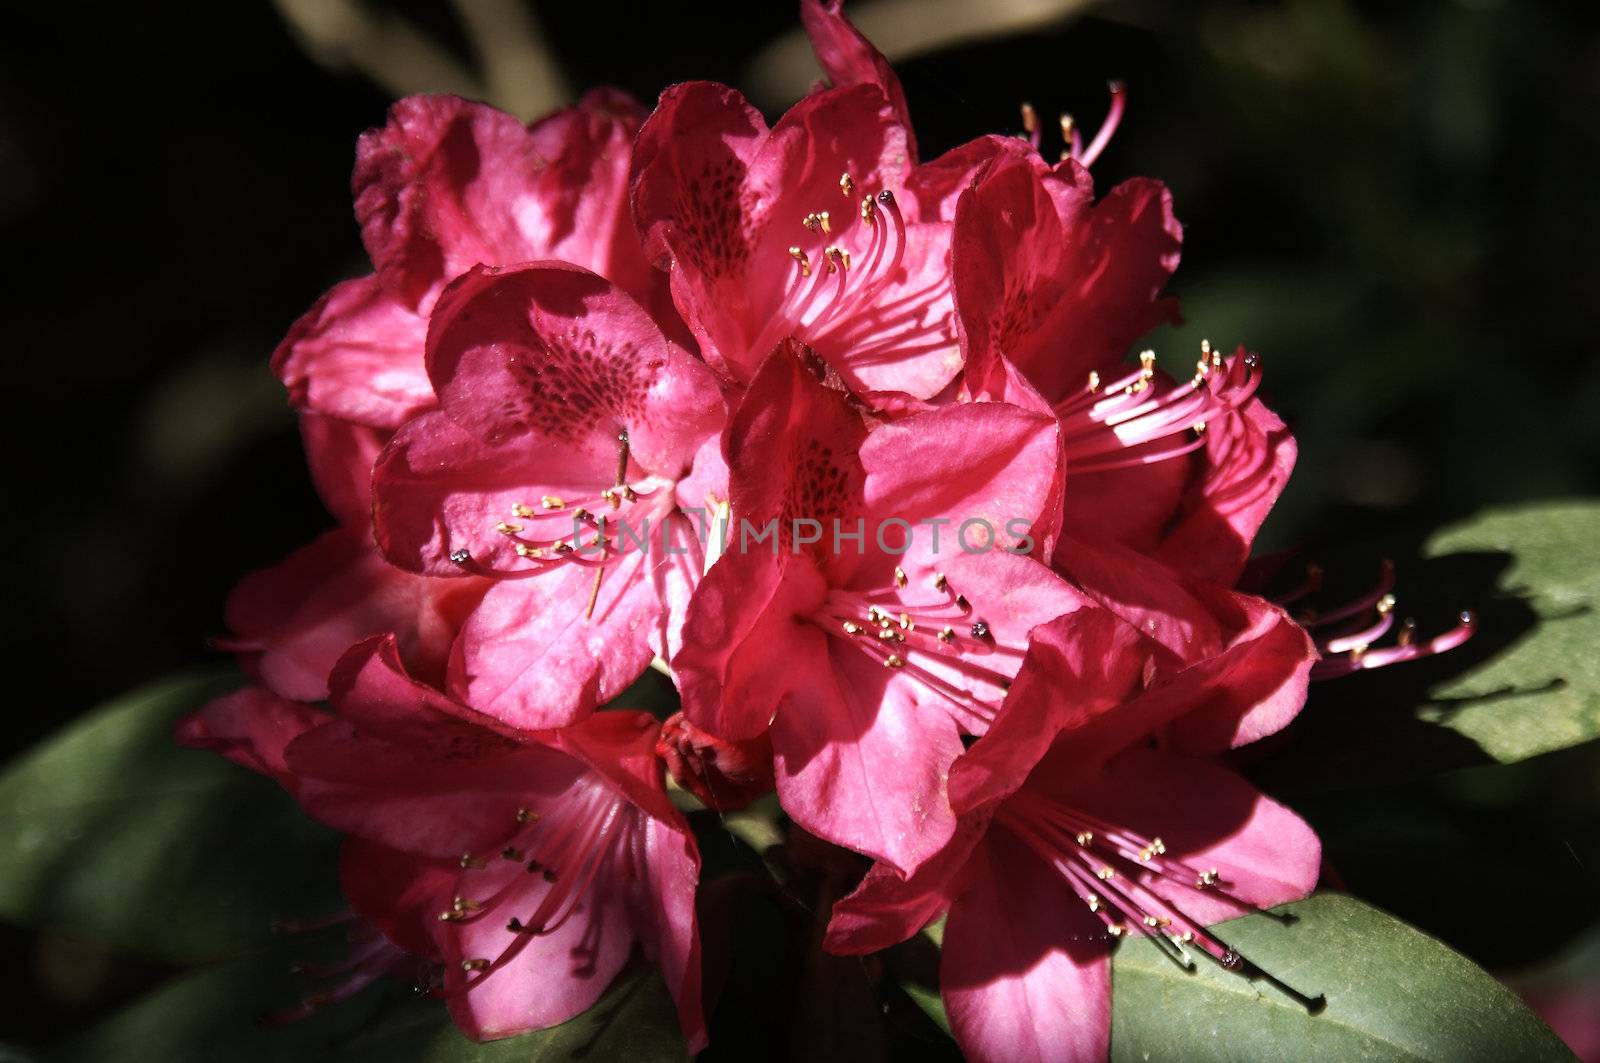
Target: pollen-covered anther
{"type": "Point", "coordinates": [894, 660]}
{"type": "Point", "coordinates": [524, 550]}
{"type": "Point", "coordinates": [521, 509]}
{"type": "Point", "coordinates": [527, 815]}
{"type": "Point", "coordinates": [472, 863]}
{"type": "Point", "coordinates": [1030, 118]}
{"type": "Point", "coordinates": [507, 528]}
{"type": "Point", "coordinates": [552, 502]}
{"type": "Point", "coordinates": [847, 185]}
{"type": "Point", "coordinates": [463, 904]}
{"type": "Point", "coordinates": [869, 210]}
{"type": "Point", "coordinates": [852, 628]}
{"type": "Point", "coordinates": [939, 582]}
{"type": "Point", "coordinates": [1207, 879]}
{"type": "Point", "coordinates": [1093, 901]}
{"type": "Point", "coordinates": [477, 963]}
{"type": "Point", "coordinates": [1116, 930]}
{"type": "Point", "coordinates": [900, 578]}
{"type": "Point", "coordinates": [802, 260]}
{"type": "Point", "coordinates": [838, 259]}
{"type": "Point", "coordinates": [1094, 381]}
{"type": "Point", "coordinates": [947, 635]}
{"type": "Point", "coordinates": [1105, 872]}
{"type": "Point", "coordinates": [1084, 837]}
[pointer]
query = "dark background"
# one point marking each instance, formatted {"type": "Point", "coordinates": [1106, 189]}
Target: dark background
{"type": "Point", "coordinates": [1392, 202]}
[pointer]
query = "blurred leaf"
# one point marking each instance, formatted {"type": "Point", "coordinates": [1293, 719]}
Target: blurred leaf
{"type": "Point", "coordinates": [110, 831]}
{"type": "Point", "coordinates": [1391, 992]}
{"type": "Point", "coordinates": [213, 1014]}
{"type": "Point", "coordinates": [1543, 692]}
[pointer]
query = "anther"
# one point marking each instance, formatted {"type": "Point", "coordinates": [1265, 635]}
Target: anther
{"type": "Point", "coordinates": [511, 853]}
{"type": "Point", "coordinates": [552, 502]}
{"type": "Point", "coordinates": [527, 815]}
{"type": "Point", "coordinates": [869, 212]}
{"type": "Point", "coordinates": [524, 550]}
{"type": "Point", "coordinates": [1094, 381]}
{"type": "Point", "coordinates": [505, 528]}
{"type": "Point", "coordinates": [847, 185]}
{"type": "Point", "coordinates": [939, 582]}
{"type": "Point", "coordinates": [460, 557]}
{"type": "Point", "coordinates": [900, 579]}
{"type": "Point", "coordinates": [1030, 118]}
{"type": "Point", "coordinates": [803, 259]}
{"type": "Point", "coordinates": [1085, 837]}
{"type": "Point", "coordinates": [894, 660]}
{"type": "Point", "coordinates": [947, 635]}
{"type": "Point", "coordinates": [852, 628]}
{"type": "Point", "coordinates": [472, 863]}
{"type": "Point", "coordinates": [477, 963]}
{"type": "Point", "coordinates": [980, 630]}
{"type": "Point", "coordinates": [520, 509]}
{"type": "Point", "coordinates": [1105, 872]}
{"type": "Point", "coordinates": [550, 874]}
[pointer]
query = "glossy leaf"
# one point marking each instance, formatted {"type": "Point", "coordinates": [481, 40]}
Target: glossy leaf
{"type": "Point", "coordinates": [1542, 692]}
{"type": "Point", "coordinates": [111, 832]}
{"type": "Point", "coordinates": [1391, 993]}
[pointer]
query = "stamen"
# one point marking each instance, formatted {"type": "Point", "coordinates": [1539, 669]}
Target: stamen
{"type": "Point", "coordinates": [847, 185]}
{"type": "Point", "coordinates": [1113, 117]}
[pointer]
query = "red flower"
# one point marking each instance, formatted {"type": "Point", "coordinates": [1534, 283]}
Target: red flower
{"type": "Point", "coordinates": [571, 441]}
{"type": "Point", "coordinates": [869, 658]}
{"type": "Point", "coordinates": [445, 185]}
{"type": "Point", "coordinates": [528, 864]}
{"type": "Point", "coordinates": [799, 230]}
{"type": "Point", "coordinates": [1073, 832]}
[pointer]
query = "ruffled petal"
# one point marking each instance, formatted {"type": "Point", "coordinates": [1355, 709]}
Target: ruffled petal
{"type": "Point", "coordinates": [298, 617]}
{"type": "Point", "coordinates": [356, 355]}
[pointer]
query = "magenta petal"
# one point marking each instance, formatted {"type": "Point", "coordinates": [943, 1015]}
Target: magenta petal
{"type": "Point", "coordinates": [252, 728]}
{"type": "Point", "coordinates": [887, 908]}
{"type": "Point", "coordinates": [1026, 972]}
{"type": "Point", "coordinates": [666, 923]}
{"type": "Point", "coordinates": [532, 656]}
{"type": "Point", "coordinates": [1248, 457]}
{"type": "Point", "coordinates": [862, 765]}
{"type": "Point", "coordinates": [730, 679]}
{"type": "Point", "coordinates": [555, 976]}
{"type": "Point", "coordinates": [302, 614]}
{"type": "Point", "coordinates": [848, 58]}
{"type": "Point", "coordinates": [689, 168]}
{"type": "Point", "coordinates": [558, 356]}
{"type": "Point", "coordinates": [1208, 817]}
{"type": "Point", "coordinates": [356, 355]}
{"type": "Point", "coordinates": [976, 461]}
{"type": "Point", "coordinates": [340, 455]}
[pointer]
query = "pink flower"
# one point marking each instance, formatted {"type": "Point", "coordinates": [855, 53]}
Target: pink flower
{"type": "Point", "coordinates": [529, 865]}
{"type": "Point", "coordinates": [1051, 288]}
{"type": "Point", "coordinates": [868, 658]}
{"type": "Point", "coordinates": [572, 442]}
{"type": "Point", "coordinates": [800, 230]}
{"type": "Point", "coordinates": [1073, 832]}
{"type": "Point", "coordinates": [446, 185]}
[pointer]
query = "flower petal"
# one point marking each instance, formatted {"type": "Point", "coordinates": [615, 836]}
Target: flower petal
{"type": "Point", "coordinates": [1026, 972]}
{"type": "Point", "coordinates": [301, 615]}
{"type": "Point", "coordinates": [861, 764]}
{"type": "Point", "coordinates": [356, 355]}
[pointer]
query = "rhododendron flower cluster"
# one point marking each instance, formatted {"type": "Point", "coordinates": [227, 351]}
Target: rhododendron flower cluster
{"type": "Point", "coordinates": [849, 446]}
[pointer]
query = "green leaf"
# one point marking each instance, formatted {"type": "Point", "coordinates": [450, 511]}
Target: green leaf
{"type": "Point", "coordinates": [1542, 692]}
{"type": "Point", "coordinates": [110, 831]}
{"type": "Point", "coordinates": [212, 1014]}
{"type": "Point", "coordinates": [1392, 993]}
